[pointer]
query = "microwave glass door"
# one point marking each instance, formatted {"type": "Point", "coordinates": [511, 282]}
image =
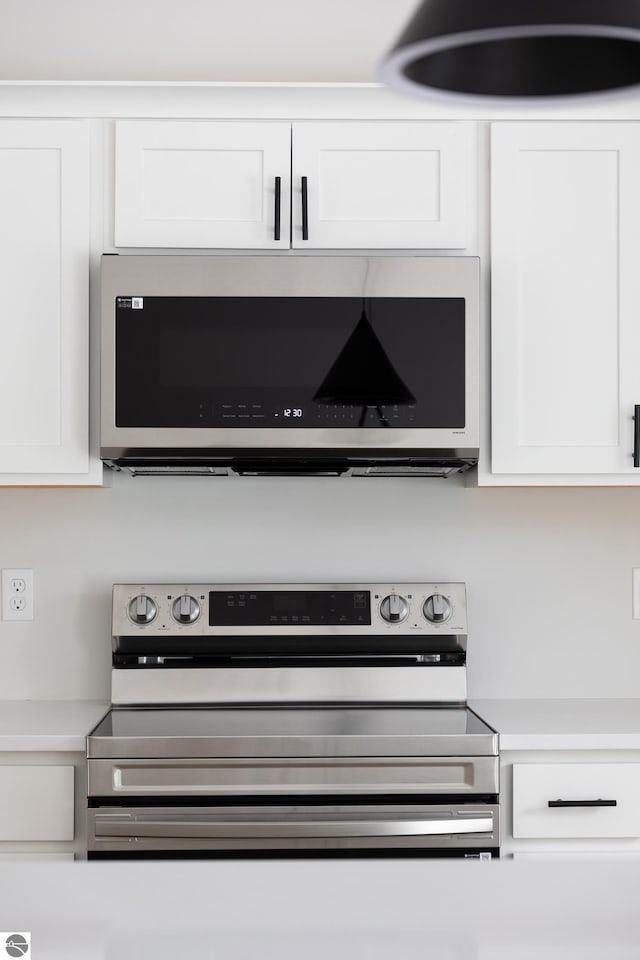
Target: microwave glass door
{"type": "Point", "coordinates": [266, 362]}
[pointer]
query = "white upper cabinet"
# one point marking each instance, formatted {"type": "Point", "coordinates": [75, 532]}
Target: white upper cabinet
{"type": "Point", "coordinates": [44, 323]}
{"type": "Point", "coordinates": [382, 184]}
{"type": "Point", "coordinates": [565, 299]}
{"type": "Point", "coordinates": [202, 184]}
{"type": "Point", "coordinates": [354, 184]}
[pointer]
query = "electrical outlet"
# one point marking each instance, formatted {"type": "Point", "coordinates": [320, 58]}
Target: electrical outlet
{"type": "Point", "coordinates": [17, 594]}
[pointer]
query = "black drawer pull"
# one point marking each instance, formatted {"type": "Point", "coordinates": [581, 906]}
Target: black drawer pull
{"type": "Point", "coordinates": [276, 225]}
{"type": "Point", "coordinates": [305, 208]}
{"type": "Point", "coordinates": [583, 803]}
{"type": "Point", "coordinates": [636, 435]}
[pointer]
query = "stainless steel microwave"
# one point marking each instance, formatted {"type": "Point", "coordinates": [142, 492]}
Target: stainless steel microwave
{"type": "Point", "coordinates": [347, 365]}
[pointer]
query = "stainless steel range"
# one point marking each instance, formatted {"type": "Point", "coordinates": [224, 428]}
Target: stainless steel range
{"type": "Point", "coordinates": [291, 720]}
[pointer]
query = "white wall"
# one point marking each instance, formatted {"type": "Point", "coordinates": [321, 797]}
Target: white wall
{"type": "Point", "coordinates": [240, 40]}
{"type": "Point", "coordinates": [548, 571]}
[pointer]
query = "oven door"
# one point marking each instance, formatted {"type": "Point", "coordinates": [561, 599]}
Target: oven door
{"type": "Point", "coordinates": [294, 806]}
{"type": "Point", "coordinates": [304, 829]}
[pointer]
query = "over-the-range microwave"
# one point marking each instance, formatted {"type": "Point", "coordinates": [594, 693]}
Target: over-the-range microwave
{"type": "Point", "coordinates": [348, 365]}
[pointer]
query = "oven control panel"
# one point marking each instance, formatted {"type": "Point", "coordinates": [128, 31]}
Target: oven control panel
{"type": "Point", "coordinates": [347, 609]}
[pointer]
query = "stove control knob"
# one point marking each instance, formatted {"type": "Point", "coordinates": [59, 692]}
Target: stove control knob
{"type": "Point", "coordinates": [437, 609]}
{"type": "Point", "coordinates": [186, 609]}
{"type": "Point", "coordinates": [142, 609]}
{"type": "Point", "coordinates": [394, 608]}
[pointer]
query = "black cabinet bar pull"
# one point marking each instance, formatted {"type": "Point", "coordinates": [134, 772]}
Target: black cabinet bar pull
{"type": "Point", "coordinates": [276, 222]}
{"type": "Point", "coordinates": [636, 435]}
{"type": "Point", "coordinates": [305, 209]}
{"type": "Point", "coordinates": [583, 803]}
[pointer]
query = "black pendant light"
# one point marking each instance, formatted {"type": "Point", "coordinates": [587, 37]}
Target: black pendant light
{"type": "Point", "coordinates": [362, 374]}
{"type": "Point", "coordinates": [517, 48]}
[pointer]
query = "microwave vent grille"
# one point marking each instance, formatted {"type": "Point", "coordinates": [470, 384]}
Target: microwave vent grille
{"type": "Point", "coordinates": [291, 469]}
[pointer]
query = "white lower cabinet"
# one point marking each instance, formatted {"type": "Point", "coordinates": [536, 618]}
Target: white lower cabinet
{"type": "Point", "coordinates": [36, 803]}
{"type": "Point", "coordinates": [576, 800]}
{"type": "Point", "coordinates": [39, 796]}
{"type": "Point", "coordinates": [565, 804]}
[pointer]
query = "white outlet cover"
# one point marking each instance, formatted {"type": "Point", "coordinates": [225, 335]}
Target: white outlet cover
{"type": "Point", "coordinates": [17, 583]}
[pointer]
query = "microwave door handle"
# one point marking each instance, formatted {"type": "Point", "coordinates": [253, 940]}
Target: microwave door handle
{"type": "Point", "coordinates": [187, 825]}
{"type": "Point", "coordinates": [276, 219]}
{"type": "Point", "coordinates": [305, 208]}
{"type": "Point", "coordinates": [636, 435]}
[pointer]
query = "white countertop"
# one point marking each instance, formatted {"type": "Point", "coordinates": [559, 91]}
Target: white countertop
{"type": "Point", "coordinates": [563, 724]}
{"type": "Point", "coordinates": [35, 725]}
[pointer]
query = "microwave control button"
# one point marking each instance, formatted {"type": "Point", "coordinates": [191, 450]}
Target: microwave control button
{"type": "Point", "coordinates": [437, 609]}
{"type": "Point", "coordinates": [186, 609]}
{"type": "Point", "coordinates": [394, 608]}
{"type": "Point", "coordinates": [142, 609]}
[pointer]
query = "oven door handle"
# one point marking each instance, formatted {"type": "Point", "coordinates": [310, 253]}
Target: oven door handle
{"type": "Point", "coordinates": [199, 825]}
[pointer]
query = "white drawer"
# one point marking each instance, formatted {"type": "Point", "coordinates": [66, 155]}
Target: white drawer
{"type": "Point", "coordinates": [592, 787]}
{"type": "Point", "coordinates": [36, 803]}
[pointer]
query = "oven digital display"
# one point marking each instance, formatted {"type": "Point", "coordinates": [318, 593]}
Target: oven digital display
{"type": "Point", "coordinates": [289, 608]}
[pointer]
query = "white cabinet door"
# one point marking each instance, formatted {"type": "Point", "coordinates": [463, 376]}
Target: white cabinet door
{"type": "Point", "coordinates": [576, 800]}
{"type": "Point", "coordinates": [44, 287]}
{"type": "Point", "coordinates": [202, 184]}
{"type": "Point", "coordinates": [215, 184]}
{"type": "Point", "coordinates": [382, 184]}
{"type": "Point", "coordinates": [565, 203]}
{"type": "Point", "coordinates": [36, 803]}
